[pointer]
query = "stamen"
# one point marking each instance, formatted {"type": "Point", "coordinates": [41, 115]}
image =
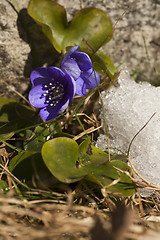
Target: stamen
{"type": "Point", "coordinates": [54, 93]}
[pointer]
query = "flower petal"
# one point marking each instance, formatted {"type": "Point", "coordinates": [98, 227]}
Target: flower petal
{"type": "Point", "coordinates": [46, 115]}
{"type": "Point", "coordinates": [55, 73]}
{"type": "Point", "coordinates": [49, 112]}
{"type": "Point", "coordinates": [53, 89]}
{"type": "Point", "coordinates": [36, 97]}
{"type": "Point", "coordinates": [39, 76]}
{"type": "Point", "coordinates": [66, 80]}
{"type": "Point", "coordinates": [80, 87]}
{"type": "Point", "coordinates": [69, 52]}
{"type": "Point", "coordinates": [83, 60]}
{"type": "Point", "coordinates": [71, 67]}
{"type": "Point", "coordinates": [91, 79]}
{"type": "Point", "coordinates": [70, 87]}
{"type": "Point", "coordinates": [63, 108]}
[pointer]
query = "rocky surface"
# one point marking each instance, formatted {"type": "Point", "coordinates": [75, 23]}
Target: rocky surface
{"type": "Point", "coordinates": [23, 47]}
{"type": "Point", "coordinates": [136, 40]}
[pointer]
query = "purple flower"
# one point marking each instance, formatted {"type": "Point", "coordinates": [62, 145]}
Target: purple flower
{"type": "Point", "coordinates": [53, 91]}
{"type": "Point", "coordinates": [79, 66]}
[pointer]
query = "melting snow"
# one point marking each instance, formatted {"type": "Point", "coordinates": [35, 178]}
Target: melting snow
{"type": "Point", "coordinates": [127, 109]}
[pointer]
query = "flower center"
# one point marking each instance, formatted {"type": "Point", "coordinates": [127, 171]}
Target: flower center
{"type": "Point", "coordinates": [53, 93]}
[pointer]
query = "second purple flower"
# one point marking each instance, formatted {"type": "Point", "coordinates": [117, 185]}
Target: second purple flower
{"type": "Point", "coordinates": [79, 66]}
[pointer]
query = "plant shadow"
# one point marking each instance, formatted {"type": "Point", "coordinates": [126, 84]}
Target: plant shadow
{"type": "Point", "coordinates": [42, 52]}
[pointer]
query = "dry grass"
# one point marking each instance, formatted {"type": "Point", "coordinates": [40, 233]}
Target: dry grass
{"type": "Point", "coordinates": [45, 219]}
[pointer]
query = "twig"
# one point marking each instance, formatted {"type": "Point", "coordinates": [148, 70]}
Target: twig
{"type": "Point", "coordinates": [139, 132]}
{"type": "Point", "coordinates": [90, 130]}
{"type": "Point", "coordinates": [19, 94]}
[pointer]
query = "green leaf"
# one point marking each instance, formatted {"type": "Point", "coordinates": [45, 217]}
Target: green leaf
{"type": "Point", "coordinates": [30, 165]}
{"type": "Point", "coordinates": [19, 158]}
{"type": "Point", "coordinates": [105, 174]}
{"type": "Point", "coordinates": [3, 185]}
{"type": "Point", "coordinates": [102, 64]}
{"type": "Point", "coordinates": [70, 163]}
{"type": "Point", "coordinates": [90, 26]}
{"type": "Point", "coordinates": [14, 116]}
{"type": "Point", "coordinates": [52, 18]}
{"type": "Point", "coordinates": [108, 64]}
{"type": "Point", "coordinates": [33, 144]}
{"type": "Point", "coordinates": [60, 156]}
{"type": "Point", "coordinates": [88, 154]}
{"type": "Point", "coordinates": [35, 139]}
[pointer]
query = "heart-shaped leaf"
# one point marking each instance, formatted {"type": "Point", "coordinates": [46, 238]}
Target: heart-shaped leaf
{"type": "Point", "coordinates": [88, 154]}
{"type": "Point", "coordinates": [52, 18]}
{"type": "Point", "coordinates": [60, 156]}
{"type": "Point", "coordinates": [89, 26]}
{"type": "Point", "coordinates": [107, 174]}
{"type": "Point", "coordinates": [70, 163]}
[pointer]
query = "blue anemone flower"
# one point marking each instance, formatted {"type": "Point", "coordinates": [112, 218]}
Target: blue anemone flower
{"type": "Point", "coordinates": [52, 92]}
{"type": "Point", "coordinates": [79, 66]}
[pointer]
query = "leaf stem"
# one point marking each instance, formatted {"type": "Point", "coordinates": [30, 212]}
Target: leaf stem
{"type": "Point", "coordinates": [79, 121]}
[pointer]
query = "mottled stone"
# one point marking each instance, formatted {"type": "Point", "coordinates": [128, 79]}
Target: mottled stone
{"type": "Point", "coordinates": [136, 40]}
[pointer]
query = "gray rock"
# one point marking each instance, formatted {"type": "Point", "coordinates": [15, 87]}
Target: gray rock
{"type": "Point", "coordinates": [23, 47]}
{"type": "Point", "coordinates": [136, 40]}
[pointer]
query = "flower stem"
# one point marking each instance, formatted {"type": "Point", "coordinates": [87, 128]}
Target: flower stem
{"type": "Point", "coordinates": [79, 121]}
{"type": "Point", "coordinates": [105, 121]}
